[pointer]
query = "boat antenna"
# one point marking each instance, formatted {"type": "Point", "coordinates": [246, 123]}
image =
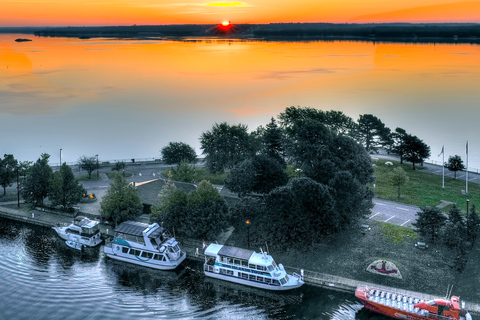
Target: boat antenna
{"type": "Point", "coordinates": [173, 231]}
{"type": "Point", "coordinates": [266, 245]}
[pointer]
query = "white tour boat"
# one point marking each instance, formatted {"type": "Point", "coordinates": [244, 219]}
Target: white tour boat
{"type": "Point", "coordinates": [248, 267]}
{"type": "Point", "coordinates": [146, 245]}
{"type": "Point", "coordinates": [83, 231]}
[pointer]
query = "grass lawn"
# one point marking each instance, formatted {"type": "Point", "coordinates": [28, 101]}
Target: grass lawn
{"type": "Point", "coordinates": [423, 188]}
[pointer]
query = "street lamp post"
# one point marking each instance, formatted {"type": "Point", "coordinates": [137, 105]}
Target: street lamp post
{"type": "Point", "coordinates": [97, 166]}
{"type": "Point", "coordinates": [248, 233]}
{"type": "Point", "coordinates": [60, 157]}
{"type": "Point", "coordinates": [18, 190]}
{"type": "Point", "coordinates": [468, 201]}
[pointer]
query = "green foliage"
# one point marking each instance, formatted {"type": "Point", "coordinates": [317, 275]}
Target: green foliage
{"type": "Point", "coordinates": [372, 132]}
{"type": "Point", "coordinates": [429, 222]}
{"type": "Point", "coordinates": [261, 174]}
{"type": "Point", "coordinates": [65, 190]}
{"type": "Point", "coordinates": [472, 224]}
{"type": "Point", "coordinates": [121, 202]}
{"type": "Point", "coordinates": [226, 145]}
{"type": "Point", "coordinates": [177, 152]}
{"type": "Point", "coordinates": [36, 186]}
{"type": "Point", "coordinates": [397, 234]}
{"type": "Point", "coordinates": [185, 172]}
{"type": "Point", "coordinates": [455, 163]}
{"type": "Point", "coordinates": [423, 188]}
{"type": "Point", "coordinates": [88, 163]}
{"type": "Point", "coordinates": [202, 213]}
{"type": "Point", "coordinates": [415, 150]}
{"type": "Point", "coordinates": [398, 178]}
{"type": "Point", "coordinates": [272, 140]}
{"type": "Point", "coordinates": [8, 167]}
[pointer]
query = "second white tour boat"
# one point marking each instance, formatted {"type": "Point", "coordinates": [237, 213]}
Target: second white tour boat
{"type": "Point", "coordinates": [248, 267]}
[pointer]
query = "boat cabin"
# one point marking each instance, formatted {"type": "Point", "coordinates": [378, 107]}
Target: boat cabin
{"type": "Point", "coordinates": [443, 308]}
{"type": "Point", "coordinates": [84, 227]}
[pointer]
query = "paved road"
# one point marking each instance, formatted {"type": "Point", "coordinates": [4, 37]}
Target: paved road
{"type": "Point", "coordinates": [394, 212]}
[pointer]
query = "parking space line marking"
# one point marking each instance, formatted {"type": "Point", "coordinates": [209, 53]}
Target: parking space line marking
{"type": "Point", "coordinates": [380, 204]}
{"type": "Point", "coordinates": [405, 222]}
{"type": "Point", "coordinates": [401, 209]}
{"type": "Point", "coordinates": [373, 215]}
{"type": "Point", "coordinates": [389, 218]}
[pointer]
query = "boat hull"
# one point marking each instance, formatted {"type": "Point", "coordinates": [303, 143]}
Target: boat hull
{"type": "Point", "coordinates": [154, 264]}
{"type": "Point", "coordinates": [88, 242]}
{"type": "Point", "coordinates": [252, 283]}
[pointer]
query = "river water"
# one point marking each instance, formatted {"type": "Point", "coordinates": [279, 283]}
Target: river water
{"type": "Point", "coordinates": [41, 278]}
{"type": "Point", "coordinates": [128, 98]}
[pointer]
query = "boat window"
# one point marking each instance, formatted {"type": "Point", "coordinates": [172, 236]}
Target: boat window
{"type": "Point", "coordinates": [229, 260]}
{"type": "Point", "coordinates": [432, 303]}
{"type": "Point", "coordinates": [146, 254]}
{"type": "Point", "coordinates": [268, 280]}
{"type": "Point", "coordinates": [275, 282]}
{"type": "Point", "coordinates": [274, 265]}
{"type": "Point", "coordinates": [260, 279]}
{"type": "Point", "coordinates": [283, 281]}
{"type": "Point", "coordinates": [244, 275]}
{"type": "Point", "coordinates": [236, 262]}
{"type": "Point", "coordinates": [72, 231]}
{"type": "Point", "coordinates": [162, 249]}
{"type": "Point", "coordinates": [251, 277]}
{"type": "Point", "coordinates": [176, 248]}
{"type": "Point", "coordinates": [261, 268]}
{"type": "Point", "coordinates": [270, 268]}
{"type": "Point", "coordinates": [251, 266]}
{"type": "Point", "coordinates": [124, 249]}
{"type": "Point", "coordinates": [230, 272]}
{"type": "Point", "coordinates": [244, 263]}
{"type": "Point", "coordinates": [135, 252]}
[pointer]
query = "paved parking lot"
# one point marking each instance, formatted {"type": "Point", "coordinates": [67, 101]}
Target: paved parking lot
{"type": "Point", "coordinates": [394, 212]}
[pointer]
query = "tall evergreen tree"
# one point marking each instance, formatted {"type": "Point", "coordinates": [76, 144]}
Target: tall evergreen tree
{"type": "Point", "coordinates": [416, 151]}
{"type": "Point", "coordinates": [65, 190]}
{"type": "Point", "coordinates": [472, 224]}
{"type": "Point", "coordinates": [273, 142]}
{"type": "Point", "coordinates": [36, 186]}
{"type": "Point", "coordinates": [372, 132]}
{"type": "Point", "coordinates": [429, 222]}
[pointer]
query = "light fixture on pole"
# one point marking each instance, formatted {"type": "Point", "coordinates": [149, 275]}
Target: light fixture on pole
{"type": "Point", "coordinates": [248, 233]}
{"type": "Point", "coordinates": [18, 189]}
{"type": "Point", "coordinates": [60, 157]}
{"type": "Point", "coordinates": [97, 165]}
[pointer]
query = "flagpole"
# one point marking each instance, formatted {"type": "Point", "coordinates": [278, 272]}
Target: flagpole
{"type": "Point", "coordinates": [443, 167]}
{"type": "Point", "coordinates": [466, 174]}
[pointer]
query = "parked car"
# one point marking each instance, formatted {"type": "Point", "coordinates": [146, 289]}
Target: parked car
{"type": "Point", "coordinates": [421, 245]}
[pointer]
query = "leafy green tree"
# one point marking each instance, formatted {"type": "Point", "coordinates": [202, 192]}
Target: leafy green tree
{"type": "Point", "coordinates": [398, 178]}
{"type": "Point", "coordinates": [372, 132]}
{"type": "Point", "coordinates": [36, 186]}
{"type": "Point", "coordinates": [121, 202]}
{"type": "Point", "coordinates": [261, 174]}
{"type": "Point", "coordinates": [472, 224]}
{"type": "Point", "coordinates": [226, 145]}
{"type": "Point", "coordinates": [202, 213]}
{"type": "Point", "coordinates": [398, 143]}
{"type": "Point", "coordinates": [88, 163]}
{"type": "Point", "coordinates": [300, 213]}
{"type": "Point", "coordinates": [416, 151]}
{"type": "Point", "coordinates": [185, 172]}
{"type": "Point", "coordinates": [8, 167]}
{"type": "Point", "coordinates": [65, 190]}
{"type": "Point", "coordinates": [455, 163]}
{"type": "Point", "coordinates": [176, 152]}
{"type": "Point", "coordinates": [429, 222]}
{"type": "Point", "coordinates": [336, 121]}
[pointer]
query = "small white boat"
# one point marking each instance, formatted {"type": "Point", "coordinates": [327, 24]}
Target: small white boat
{"type": "Point", "coordinates": [248, 267]}
{"type": "Point", "coordinates": [82, 230]}
{"type": "Point", "coordinates": [75, 245]}
{"type": "Point", "coordinates": [145, 245]}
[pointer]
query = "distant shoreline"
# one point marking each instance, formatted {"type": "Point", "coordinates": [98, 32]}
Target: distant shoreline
{"type": "Point", "coordinates": [403, 32]}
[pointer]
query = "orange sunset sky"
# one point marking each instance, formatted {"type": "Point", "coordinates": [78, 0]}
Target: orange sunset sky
{"type": "Point", "coordinates": [155, 12]}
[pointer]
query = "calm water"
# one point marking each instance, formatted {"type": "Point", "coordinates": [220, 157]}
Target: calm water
{"type": "Point", "coordinates": [86, 96]}
{"type": "Point", "coordinates": [41, 278]}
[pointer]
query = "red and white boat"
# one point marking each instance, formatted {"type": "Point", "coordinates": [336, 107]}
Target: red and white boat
{"type": "Point", "coordinates": [400, 306]}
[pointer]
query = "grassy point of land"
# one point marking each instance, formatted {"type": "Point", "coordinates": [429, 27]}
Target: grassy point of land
{"type": "Point", "coordinates": [423, 188]}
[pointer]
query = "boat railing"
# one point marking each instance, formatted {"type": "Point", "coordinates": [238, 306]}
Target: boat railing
{"type": "Point", "coordinates": [208, 267]}
{"type": "Point", "coordinates": [296, 275]}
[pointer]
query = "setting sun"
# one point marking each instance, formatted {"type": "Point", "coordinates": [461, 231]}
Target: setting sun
{"type": "Point", "coordinates": [225, 23]}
